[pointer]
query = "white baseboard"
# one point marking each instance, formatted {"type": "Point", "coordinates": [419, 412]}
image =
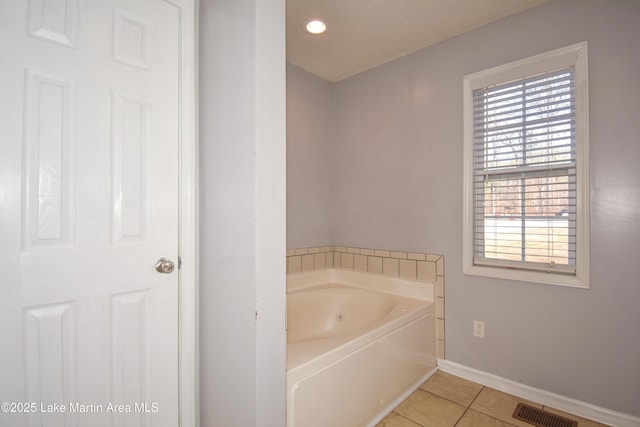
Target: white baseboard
{"type": "Point", "coordinates": [573, 406]}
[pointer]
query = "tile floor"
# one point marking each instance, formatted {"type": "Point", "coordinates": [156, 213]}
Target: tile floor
{"type": "Point", "coordinates": [445, 400]}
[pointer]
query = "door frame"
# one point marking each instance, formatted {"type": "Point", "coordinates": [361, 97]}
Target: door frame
{"type": "Point", "coordinates": [188, 217]}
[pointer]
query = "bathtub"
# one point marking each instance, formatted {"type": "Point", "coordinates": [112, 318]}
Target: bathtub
{"type": "Point", "coordinates": [357, 345]}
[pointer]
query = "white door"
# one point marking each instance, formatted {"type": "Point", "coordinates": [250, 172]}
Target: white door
{"type": "Point", "coordinates": [89, 139]}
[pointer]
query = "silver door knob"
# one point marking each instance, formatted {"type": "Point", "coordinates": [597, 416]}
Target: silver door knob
{"type": "Point", "coordinates": [164, 265]}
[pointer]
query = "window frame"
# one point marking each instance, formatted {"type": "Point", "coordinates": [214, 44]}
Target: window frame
{"type": "Point", "coordinates": [576, 56]}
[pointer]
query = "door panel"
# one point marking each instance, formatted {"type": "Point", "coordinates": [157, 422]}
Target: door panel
{"type": "Point", "coordinates": [89, 122]}
{"type": "Point", "coordinates": [49, 154]}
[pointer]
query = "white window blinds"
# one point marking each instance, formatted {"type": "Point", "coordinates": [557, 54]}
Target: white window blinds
{"type": "Point", "coordinates": [524, 173]}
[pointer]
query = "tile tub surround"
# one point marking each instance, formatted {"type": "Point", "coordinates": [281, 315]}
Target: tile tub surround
{"type": "Point", "coordinates": [406, 265]}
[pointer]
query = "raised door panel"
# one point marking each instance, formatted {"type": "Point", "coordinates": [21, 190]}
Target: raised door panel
{"type": "Point", "coordinates": [49, 128]}
{"type": "Point", "coordinates": [54, 20]}
{"type": "Point", "coordinates": [50, 363]}
{"type": "Point", "coordinates": [129, 179]}
{"type": "Point", "coordinates": [131, 39]}
{"type": "Point", "coordinates": [130, 367]}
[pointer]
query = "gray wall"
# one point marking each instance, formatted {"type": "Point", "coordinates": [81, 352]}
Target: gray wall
{"type": "Point", "coordinates": [308, 160]}
{"type": "Point", "coordinates": [397, 168]}
{"type": "Point", "coordinates": [242, 213]}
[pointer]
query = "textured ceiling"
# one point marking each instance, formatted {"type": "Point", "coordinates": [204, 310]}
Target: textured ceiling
{"type": "Point", "coordinates": [362, 34]}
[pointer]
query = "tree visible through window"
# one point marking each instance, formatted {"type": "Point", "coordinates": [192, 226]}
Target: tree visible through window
{"type": "Point", "coordinates": [524, 172]}
{"type": "Point", "coordinates": [526, 169]}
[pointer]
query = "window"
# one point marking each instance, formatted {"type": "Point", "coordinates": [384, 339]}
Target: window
{"type": "Point", "coordinates": [526, 169]}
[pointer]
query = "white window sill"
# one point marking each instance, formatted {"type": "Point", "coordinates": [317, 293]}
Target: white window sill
{"type": "Point", "coordinates": [528, 276]}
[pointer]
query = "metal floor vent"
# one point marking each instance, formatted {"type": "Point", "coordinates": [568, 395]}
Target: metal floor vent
{"type": "Point", "coordinates": [541, 418]}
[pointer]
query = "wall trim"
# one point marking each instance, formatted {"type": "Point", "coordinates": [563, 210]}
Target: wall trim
{"type": "Point", "coordinates": [547, 398]}
{"type": "Point", "coordinates": [188, 372]}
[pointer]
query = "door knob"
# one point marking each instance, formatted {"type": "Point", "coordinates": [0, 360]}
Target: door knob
{"type": "Point", "coordinates": [164, 265]}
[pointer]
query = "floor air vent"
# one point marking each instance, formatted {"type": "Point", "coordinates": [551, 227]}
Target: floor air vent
{"type": "Point", "coordinates": [541, 418]}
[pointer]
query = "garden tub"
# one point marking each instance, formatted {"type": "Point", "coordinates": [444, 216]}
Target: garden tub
{"type": "Point", "coordinates": [358, 344]}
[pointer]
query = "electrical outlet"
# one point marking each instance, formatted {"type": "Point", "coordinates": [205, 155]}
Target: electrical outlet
{"type": "Point", "coordinates": [478, 328]}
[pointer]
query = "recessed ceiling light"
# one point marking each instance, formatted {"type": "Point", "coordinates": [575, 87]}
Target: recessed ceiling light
{"type": "Point", "coordinates": [315, 26]}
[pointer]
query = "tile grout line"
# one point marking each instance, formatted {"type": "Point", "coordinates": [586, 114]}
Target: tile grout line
{"type": "Point", "coordinates": [469, 406]}
{"type": "Point", "coordinates": [442, 397]}
{"type": "Point", "coordinates": [453, 401]}
{"type": "Point", "coordinates": [462, 416]}
{"type": "Point", "coordinates": [476, 397]}
{"type": "Point", "coordinates": [488, 415]}
{"type": "Point", "coordinates": [408, 419]}
{"type": "Point", "coordinates": [436, 395]}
